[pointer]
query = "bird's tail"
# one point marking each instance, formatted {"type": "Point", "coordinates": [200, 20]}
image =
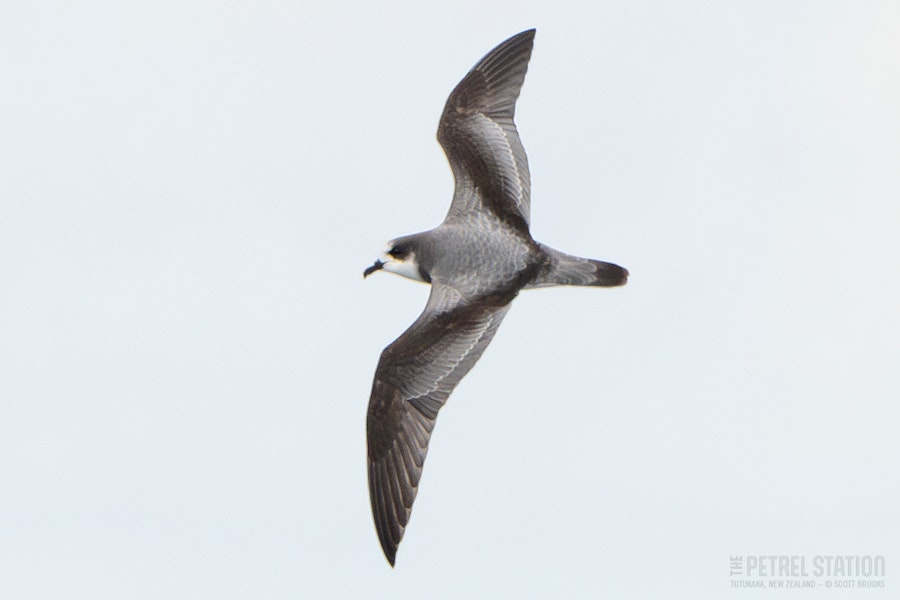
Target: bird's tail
{"type": "Point", "coordinates": [563, 269]}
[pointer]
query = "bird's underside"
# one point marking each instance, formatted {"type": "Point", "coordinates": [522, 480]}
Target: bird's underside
{"type": "Point", "coordinates": [476, 261]}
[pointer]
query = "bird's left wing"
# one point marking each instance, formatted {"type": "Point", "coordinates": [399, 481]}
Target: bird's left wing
{"type": "Point", "coordinates": [415, 375]}
{"type": "Point", "coordinates": [479, 136]}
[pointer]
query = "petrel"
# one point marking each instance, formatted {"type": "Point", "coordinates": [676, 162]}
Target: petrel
{"type": "Point", "coordinates": [476, 261]}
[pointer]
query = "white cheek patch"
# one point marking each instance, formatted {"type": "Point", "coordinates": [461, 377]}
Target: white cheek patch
{"type": "Point", "coordinates": [407, 268]}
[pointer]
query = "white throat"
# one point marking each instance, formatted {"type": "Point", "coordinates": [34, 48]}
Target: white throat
{"type": "Point", "coordinates": [407, 268]}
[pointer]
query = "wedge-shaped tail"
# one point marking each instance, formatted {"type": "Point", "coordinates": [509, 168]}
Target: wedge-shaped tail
{"type": "Point", "coordinates": [564, 269]}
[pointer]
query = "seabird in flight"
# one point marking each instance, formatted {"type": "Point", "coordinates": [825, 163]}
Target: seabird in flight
{"type": "Point", "coordinates": [476, 261]}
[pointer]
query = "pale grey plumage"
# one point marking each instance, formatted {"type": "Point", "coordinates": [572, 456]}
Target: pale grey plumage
{"type": "Point", "coordinates": [476, 261]}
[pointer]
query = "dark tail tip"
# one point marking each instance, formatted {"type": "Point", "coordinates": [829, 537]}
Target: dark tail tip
{"type": "Point", "coordinates": [609, 275]}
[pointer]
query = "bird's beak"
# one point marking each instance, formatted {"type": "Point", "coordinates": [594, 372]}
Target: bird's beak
{"type": "Point", "coordinates": [376, 267]}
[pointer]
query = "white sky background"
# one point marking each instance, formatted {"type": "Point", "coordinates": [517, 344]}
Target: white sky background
{"type": "Point", "coordinates": [189, 193]}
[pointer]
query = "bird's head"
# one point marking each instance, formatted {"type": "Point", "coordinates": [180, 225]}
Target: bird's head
{"type": "Point", "coordinates": [399, 256]}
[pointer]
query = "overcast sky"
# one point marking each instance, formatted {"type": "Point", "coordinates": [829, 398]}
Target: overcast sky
{"type": "Point", "coordinates": [189, 192]}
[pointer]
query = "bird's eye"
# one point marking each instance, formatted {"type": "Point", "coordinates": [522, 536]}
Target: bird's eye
{"type": "Point", "coordinates": [397, 252]}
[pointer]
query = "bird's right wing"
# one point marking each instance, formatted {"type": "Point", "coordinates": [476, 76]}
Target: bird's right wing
{"type": "Point", "coordinates": [415, 375]}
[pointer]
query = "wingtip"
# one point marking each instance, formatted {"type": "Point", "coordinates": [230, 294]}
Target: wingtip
{"type": "Point", "coordinates": [526, 36]}
{"type": "Point", "coordinates": [390, 553]}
